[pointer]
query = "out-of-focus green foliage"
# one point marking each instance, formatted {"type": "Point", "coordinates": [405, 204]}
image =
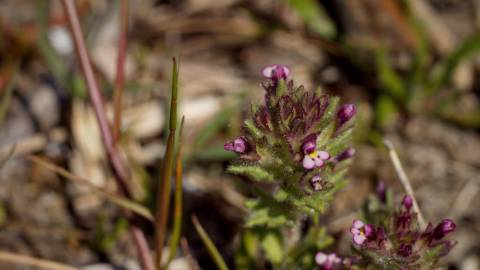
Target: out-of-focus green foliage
{"type": "Point", "coordinates": [315, 17]}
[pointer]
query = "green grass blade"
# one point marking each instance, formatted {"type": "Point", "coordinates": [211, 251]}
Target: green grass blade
{"type": "Point", "coordinates": [212, 250]}
{"type": "Point", "coordinates": [178, 204]}
{"type": "Point", "coordinates": [389, 79]}
{"type": "Point", "coordinates": [467, 48]}
{"type": "Point", "coordinates": [163, 192]}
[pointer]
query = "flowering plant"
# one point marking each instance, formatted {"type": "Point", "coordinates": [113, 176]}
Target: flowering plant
{"type": "Point", "coordinates": [298, 142]}
{"type": "Point", "coordinates": [395, 239]}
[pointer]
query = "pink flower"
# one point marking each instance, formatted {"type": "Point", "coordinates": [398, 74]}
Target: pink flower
{"type": "Point", "coordinates": [239, 145]}
{"type": "Point", "coordinates": [328, 261]}
{"type": "Point", "coordinates": [276, 72]}
{"type": "Point", "coordinates": [315, 159]}
{"type": "Point", "coordinates": [345, 113]}
{"type": "Point", "coordinates": [360, 231]}
{"type": "Point", "coordinates": [407, 202]}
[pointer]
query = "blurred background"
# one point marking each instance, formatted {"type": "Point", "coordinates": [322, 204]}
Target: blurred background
{"type": "Point", "coordinates": [410, 66]}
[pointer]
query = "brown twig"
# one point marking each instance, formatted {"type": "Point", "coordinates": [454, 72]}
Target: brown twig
{"type": "Point", "coordinates": [120, 76]}
{"type": "Point", "coordinates": [402, 176]}
{"type": "Point", "coordinates": [19, 259]}
{"type": "Point", "coordinates": [119, 169]}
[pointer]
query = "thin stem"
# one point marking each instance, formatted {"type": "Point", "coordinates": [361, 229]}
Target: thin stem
{"type": "Point", "coordinates": [95, 95]}
{"type": "Point", "coordinates": [402, 176]}
{"type": "Point", "coordinates": [211, 248]}
{"type": "Point", "coordinates": [163, 192]}
{"type": "Point", "coordinates": [178, 204]}
{"type": "Point", "coordinates": [120, 76]}
{"type": "Point", "coordinates": [119, 169]}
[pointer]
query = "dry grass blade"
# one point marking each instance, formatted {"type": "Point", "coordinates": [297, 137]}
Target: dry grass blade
{"type": "Point", "coordinates": [18, 259]}
{"type": "Point", "coordinates": [178, 204]}
{"type": "Point", "coordinates": [163, 193]}
{"type": "Point", "coordinates": [116, 199]}
{"type": "Point", "coordinates": [402, 176]}
{"type": "Point", "coordinates": [212, 249]}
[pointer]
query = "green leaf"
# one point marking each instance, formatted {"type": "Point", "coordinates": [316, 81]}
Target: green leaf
{"type": "Point", "coordinates": [255, 172]}
{"type": "Point", "coordinates": [273, 246]}
{"type": "Point", "coordinates": [267, 213]}
{"type": "Point", "coordinates": [315, 17]}
{"type": "Point", "coordinates": [339, 143]}
{"type": "Point", "coordinates": [256, 133]}
{"type": "Point", "coordinates": [325, 134]}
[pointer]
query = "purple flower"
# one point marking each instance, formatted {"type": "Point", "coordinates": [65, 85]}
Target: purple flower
{"type": "Point", "coordinates": [239, 145]}
{"type": "Point", "coordinates": [276, 72]}
{"type": "Point", "coordinates": [348, 153]}
{"type": "Point", "coordinates": [445, 227]}
{"type": "Point", "coordinates": [361, 231]}
{"type": "Point", "coordinates": [309, 146]}
{"type": "Point", "coordinates": [328, 261]}
{"type": "Point", "coordinates": [381, 191]}
{"type": "Point", "coordinates": [315, 159]}
{"type": "Point", "coordinates": [345, 113]}
{"type": "Point", "coordinates": [407, 202]}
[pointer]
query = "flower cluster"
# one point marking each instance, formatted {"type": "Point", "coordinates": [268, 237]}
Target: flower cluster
{"type": "Point", "coordinates": [296, 137]}
{"type": "Point", "coordinates": [328, 261]}
{"type": "Point", "coordinates": [399, 242]}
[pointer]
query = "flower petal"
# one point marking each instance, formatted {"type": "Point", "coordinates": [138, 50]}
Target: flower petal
{"type": "Point", "coordinates": [318, 162]}
{"type": "Point", "coordinates": [320, 258]}
{"type": "Point", "coordinates": [358, 224]}
{"type": "Point", "coordinates": [308, 163]}
{"type": "Point", "coordinates": [323, 155]}
{"type": "Point", "coordinates": [359, 239]}
{"type": "Point", "coordinates": [267, 71]}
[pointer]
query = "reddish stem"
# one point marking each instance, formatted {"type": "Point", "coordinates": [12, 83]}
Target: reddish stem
{"type": "Point", "coordinates": [118, 166]}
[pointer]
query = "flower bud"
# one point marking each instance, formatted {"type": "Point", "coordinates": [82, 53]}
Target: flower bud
{"type": "Point", "coordinates": [239, 145]}
{"type": "Point", "coordinates": [345, 113]}
{"type": "Point", "coordinates": [348, 153]}
{"type": "Point", "coordinates": [276, 72]}
{"type": "Point", "coordinates": [444, 228]}
{"type": "Point", "coordinates": [407, 202]}
{"type": "Point", "coordinates": [381, 191]}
